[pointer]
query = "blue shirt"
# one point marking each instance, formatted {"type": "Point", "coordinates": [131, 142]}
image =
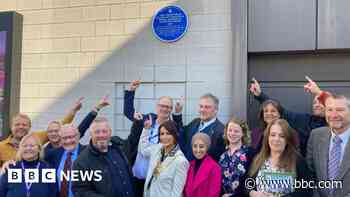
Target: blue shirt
{"type": "Point", "coordinates": [61, 167]}
{"type": "Point", "coordinates": [344, 137]}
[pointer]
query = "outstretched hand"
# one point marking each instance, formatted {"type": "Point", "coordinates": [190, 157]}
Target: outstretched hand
{"type": "Point", "coordinates": [138, 116]}
{"type": "Point", "coordinates": [312, 86]}
{"type": "Point", "coordinates": [6, 166]}
{"type": "Point", "coordinates": [255, 87]}
{"type": "Point", "coordinates": [77, 104]}
{"type": "Point", "coordinates": [103, 102]}
{"type": "Point", "coordinates": [134, 85]}
{"type": "Point", "coordinates": [179, 105]}
{"type": "Point", "coordinates": [148, 123]}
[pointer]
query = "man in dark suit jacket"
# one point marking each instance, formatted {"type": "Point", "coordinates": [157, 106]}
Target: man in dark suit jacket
{"type": "Point", "coordinates": [328, 151]}
{"type": "Point", "coordinates": [206, 123]}
{"type": "Point", "coordinates": [62, 158]}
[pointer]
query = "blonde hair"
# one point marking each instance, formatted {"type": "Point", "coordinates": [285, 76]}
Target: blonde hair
{"type": "Point", "coordinates": [23, 116]}
{"type": "Point", "coordinates": [246, 139]}
{"type": "Point", "coordinates": [54, 122]}
{"type": "Point", "coordinates": [25, 138]}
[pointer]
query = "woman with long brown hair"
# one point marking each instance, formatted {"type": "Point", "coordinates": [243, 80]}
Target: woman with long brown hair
{"type": "Point", "coordinates": [278, 164]}
{"type": "Point", "coordinates": [269, 110]}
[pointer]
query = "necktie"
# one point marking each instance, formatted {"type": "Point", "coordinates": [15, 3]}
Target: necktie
{"type": "Point", "coordinates": [64, 183]}
{"type": "Point", "coordinates": [334, 160]}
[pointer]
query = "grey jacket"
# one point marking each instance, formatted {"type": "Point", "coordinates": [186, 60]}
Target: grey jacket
{"type": "Point", "coordinates": [317, 158]}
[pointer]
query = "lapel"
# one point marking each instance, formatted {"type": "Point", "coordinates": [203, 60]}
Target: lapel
{"type": "Point", "coordinates": [345, 164]}
{"type": "Point", "coordinates": [210, 128]}
{"type": "Point", "coordinates": [324, 152]}
{"type": "Point", "coordinates": [196, 126]}
{"type": "Point", "coordinates": [153, 163]}
{"type": "Point", "coordinates": [203, 172]}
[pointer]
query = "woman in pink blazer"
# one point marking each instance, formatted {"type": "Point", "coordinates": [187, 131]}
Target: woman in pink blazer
{"type": "Point", "coordinates": [204, 174]}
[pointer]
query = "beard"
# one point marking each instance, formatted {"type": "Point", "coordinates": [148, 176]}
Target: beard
{"type": "Point", "coordinates": [102, 145]}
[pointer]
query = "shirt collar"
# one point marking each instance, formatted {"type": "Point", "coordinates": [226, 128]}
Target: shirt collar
{"type": "Point", "coordinates": [344, 136]}
{"type": "Point", "coordinates": [74, 152]}
{"type": "Point", "coordinates": [207, 123]}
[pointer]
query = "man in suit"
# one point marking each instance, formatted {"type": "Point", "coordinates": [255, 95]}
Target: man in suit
{"type": "Point", "coordinates": [328, 151]}
{"type": "Point", "coordinates": [62, 158]}
{"type": "Point", "coordinates": [206, 123]}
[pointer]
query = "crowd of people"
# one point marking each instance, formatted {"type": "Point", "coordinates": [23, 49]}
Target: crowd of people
{"type": "Point", "coordinates": [164, 157]}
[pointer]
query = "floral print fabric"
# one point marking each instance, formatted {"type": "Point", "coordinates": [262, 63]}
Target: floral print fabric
{"type": "Point", "coordinates": [233, 168]}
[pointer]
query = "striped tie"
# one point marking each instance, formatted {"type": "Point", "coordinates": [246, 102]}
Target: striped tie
{"type": "Point", "coordinates": [334, 160]}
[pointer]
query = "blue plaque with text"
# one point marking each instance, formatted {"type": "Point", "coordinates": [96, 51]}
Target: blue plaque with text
{"type": "Point", "coordinates": [170, 23]}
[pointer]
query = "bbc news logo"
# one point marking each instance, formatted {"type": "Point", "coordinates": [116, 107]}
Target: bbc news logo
{"type": "Point", "coordinates": [49, 175]}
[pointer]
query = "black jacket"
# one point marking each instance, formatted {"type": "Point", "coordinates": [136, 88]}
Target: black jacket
{"type": "Point", "coordinates": [91, 159]}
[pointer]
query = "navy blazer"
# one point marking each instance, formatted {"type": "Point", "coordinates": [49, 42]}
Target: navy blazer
{"type": "Point", "coordinates": [54, 158]}
{"type": "Point", "coordinates": [214, 130]}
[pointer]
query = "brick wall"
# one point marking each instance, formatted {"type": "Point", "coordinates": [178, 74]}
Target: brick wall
{"type": "Point", "coordinates": [87, 48]}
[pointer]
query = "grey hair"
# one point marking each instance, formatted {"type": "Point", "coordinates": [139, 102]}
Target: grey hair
{"type": "Point", "coordinates": [166, 97]}
{"type": "Point", "coordinates": [339, 96]}
{"type": "Point", "coordinates": [201, 136]}
{"type": "Point", "coordinates": [67, 126]}
{"type": "Point", "coordinates": [212, 97]}
{"type": "Point", "coordinates": [100, 120]}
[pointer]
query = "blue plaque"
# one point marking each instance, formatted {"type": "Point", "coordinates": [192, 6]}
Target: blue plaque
{"type": "Point", "coordinates": [170, 23]}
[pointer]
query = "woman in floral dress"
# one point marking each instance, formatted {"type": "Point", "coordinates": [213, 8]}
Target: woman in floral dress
{"type": "Point", "coordinates": [236, 160]}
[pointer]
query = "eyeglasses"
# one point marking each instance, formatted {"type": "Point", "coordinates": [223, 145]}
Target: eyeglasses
{"type": "Point", "coordinates": [164, 106]}
{"type": "Point", "coordinates": [29, 145]}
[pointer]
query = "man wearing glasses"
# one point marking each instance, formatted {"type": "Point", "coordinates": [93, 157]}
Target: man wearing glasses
{"type": "Point", "coordinates": [163, 110]}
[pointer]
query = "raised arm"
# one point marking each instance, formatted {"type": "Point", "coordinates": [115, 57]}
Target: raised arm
{"type": "Point", "coordinates": [42, 135]}
{"type": "Point", "coordinates": [177, 117]}
{"type": "Point", "coordinates": [129, 95]}
{"type": "Point", "coordinates": [86, 122]}
{"type": "Point", "coordinates": [255, 89]}
{"type": "Point", "coordinates": [300, 121]}
{"type": "Point", "coordinates": [134, 137]}
{"type": "Point", "coordinates": [68, 118]}
{"type": "Point", "coordinates": [145, 147]}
